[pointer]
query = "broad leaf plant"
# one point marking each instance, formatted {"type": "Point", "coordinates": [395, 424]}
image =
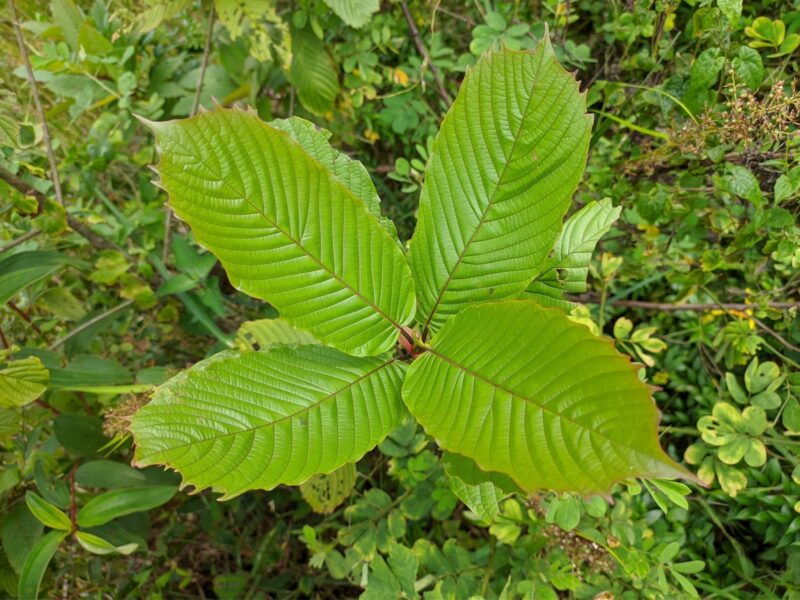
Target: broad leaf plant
{"type": "Point", "coordinates": [466, 331]}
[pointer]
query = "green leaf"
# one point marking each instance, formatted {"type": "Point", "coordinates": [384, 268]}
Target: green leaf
{"type": "Point", "coordinates": [748, 67]}
{"type": "Point", "coordinates": [286, 229]}
{"type": "Point", "coordinates": [79, 433]}
{"type": "Point", "coordinates": [741, 182]}
{"type": "Point", "coordinates": [21, 532]}
{"type": "Point", "coordinates": [325, 492]}
{"type": "Point", "coordinates": [257, 335]}
{"type": "Point", "coordinates": [24, 268]}
{"type": "Point", "coordinates": [109, 474]}
{"type": "Point", "coordinates": [68, 18]}
{"type": "Point", "coordinates": [356, 13]}
{"type": "Point", "coordinates": [481, 491]}
{"type": "Point", "coordinates": [97, 545]}
{"type": "Point", "coordinates": [48, 515]}
{"type": "Point", "coordinates": [564, 512]}
{"type": "Point", "coordinates": [123, 501]}
{"type": "Point", "coordinates": [32, 572]}
{"type": "Point", "coordinates": [500, 177]}
{"type": "Point", "coordinates": [732, 9]}
{"type": "Point", "coordinates": [568, 265]}
{"type": "Point", "coordinates": [313, 72]}
{"type": "Point", "coordinates": [523, 390]}
{"type": "Point", "coordinates": [22, 381]}
{"type": "Point", "coordinates": [237, 422]}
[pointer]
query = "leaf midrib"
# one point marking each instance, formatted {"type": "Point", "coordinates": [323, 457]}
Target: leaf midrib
{"type": "Point", "coordinates": [486, 212]}
{"type": "Point", "coordinates": [290, 416]}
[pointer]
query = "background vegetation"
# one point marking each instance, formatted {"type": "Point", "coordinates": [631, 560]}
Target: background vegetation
{"type": "Point", "coordinates": [103, 295]}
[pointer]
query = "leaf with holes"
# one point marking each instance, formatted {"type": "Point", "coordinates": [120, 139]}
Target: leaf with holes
{"type": "Point", "coordinates": [237, 422]}
{"type": "Point", "coordinates": [504, 165]}
{"type": "Point", "coordinates": [539, 398]}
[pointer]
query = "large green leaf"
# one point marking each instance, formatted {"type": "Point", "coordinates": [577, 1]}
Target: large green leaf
{"type": "Point", "coordinates": [524, 391]}
{"type": "Point", "coordinates": [24, 268]}
{"type": "Point", "coordinates": [313, 72]}
{"type": "Point", "coordinates": [287, 229]}
{"type": "Point", "coordinates": [504, 165]}
{"type": "Point", "coordinates": [567, 267]}
{"type": "Point", "coordinates": [123, 501]}
{"type": "Point", "coordinates": [356, 13]}
{"type": "Point", "coordinates": [237, 422]}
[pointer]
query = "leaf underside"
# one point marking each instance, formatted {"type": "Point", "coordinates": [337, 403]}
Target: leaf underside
{"type": "Point", "coordinates": [482, 492]}
{"type": "Point", "coordinates": [504, 165]}
{"type": "Point", "coordinates": [524, 391]}
{"type": "Point", "coordinates": [262, 333]}
{"type": "Point", "coordinates": [286, 229]}
{"type": "Point", "coordinates": [568, 265]}
{"type": "Point", "coordinates": [237, 422]}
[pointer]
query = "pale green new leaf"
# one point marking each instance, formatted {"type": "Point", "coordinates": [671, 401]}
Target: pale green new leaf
{"type": "Point", "coordinates": [481, 491]}
{"type": "Point", "coordinates": [568, 265]}
{"type": "Point", "coordinates": [97, 545]}
{"type": "Point", "coordinates": [22, 381]}
{"type": "Point", "coordinates": [524, 391]}
{"type": "Point", "coordinates": [504, 165]}
{"type": "Point", "coordinates": [286, 229]}
{"type": "Point", "coordinates": [257, 335]}
{"type": "Point", "coordinates": [237, 422]}
{"type": "Point", "coordinates": [356, 13]}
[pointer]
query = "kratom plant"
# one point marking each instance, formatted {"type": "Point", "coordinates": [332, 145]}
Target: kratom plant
{"type": "Point", "coordinates": [490, 371]}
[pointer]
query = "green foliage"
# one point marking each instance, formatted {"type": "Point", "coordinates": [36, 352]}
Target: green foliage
{"type": "Point", "coordinates": [690, 195]}
{"type": "Point", "coordinates": [271, 184]}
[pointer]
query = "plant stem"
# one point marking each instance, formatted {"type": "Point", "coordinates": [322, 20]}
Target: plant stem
{"type": "Point", "coordinates": [89, 323]}
{"type": "Point", "coordinates": [412, 29]}
{"type": "Point", "coordinates": [20, 240]}
{"type": "Point", "coordinates": [195, 107]}
{"type": "Point", "coordinates": [51, 157]}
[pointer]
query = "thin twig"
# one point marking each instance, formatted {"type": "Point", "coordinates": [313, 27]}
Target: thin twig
{"type": "Point", "coordinates": [195, 107]}
{"type": "Point", "coordinates": [204, 65]}
{"type": "Point", "coordinates": [25, 317]}
{"type": "Point", "coordinates": [89, 323]}
{"type": "Point", "coordinates": [20, 240]}
{"type": "Point", "coordinates": [51, 157]}
{"type": "Point", "coordinates": [412, 28]}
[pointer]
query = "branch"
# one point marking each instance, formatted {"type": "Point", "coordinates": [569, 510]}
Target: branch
{"type": "Point", "coordinates": [20, 240]}
{"type": "Point", "coordinates": [79, 227]}
{"type": "Point", "coordinates": [89, 323]}
{"type": "Point", "coordinates": [412, 28]}
{"type": "Point", "coordinates": [51, 157]}
{"type": "Point", "coordinates": [204, 65]}
{"type": "Point", "coordinates": [195, 107]}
